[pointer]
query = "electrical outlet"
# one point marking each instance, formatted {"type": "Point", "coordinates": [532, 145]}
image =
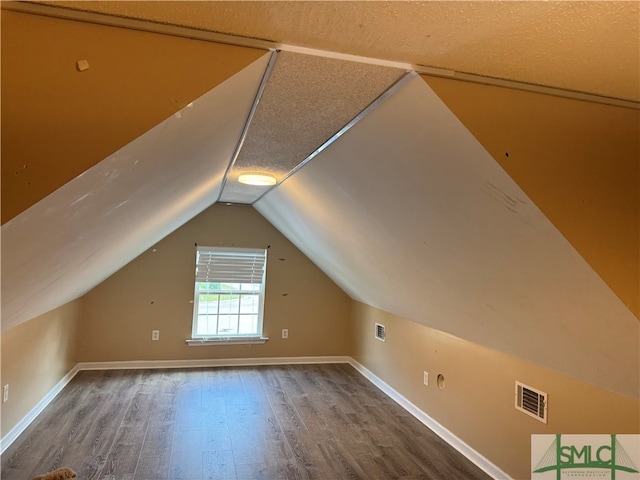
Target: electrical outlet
{"type": "Point", "coordinates": [425, 378]}
{"type": "Point", "coordinates": [285, 333]}
{"type": "Point", "coordinates": [155, 334]}
{"type": "Point", "coordinates": [5, 393]}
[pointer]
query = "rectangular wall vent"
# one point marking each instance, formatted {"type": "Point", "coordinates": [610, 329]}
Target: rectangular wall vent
{"type": "Point", "coordinates": [531, 401]}
{"type": "Point", "coordinates": [380, 333]}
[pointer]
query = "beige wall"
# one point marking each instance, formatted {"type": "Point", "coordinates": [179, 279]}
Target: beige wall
{"type": "Point", "coordinates": [477, 403]}
{"type": "Point", "coordinates": [35, 357]}
{"type": "Point", "coordinates": [155, 292]}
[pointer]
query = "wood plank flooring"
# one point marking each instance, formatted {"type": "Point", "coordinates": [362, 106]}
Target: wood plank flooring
{"type": "Point", "coordinates": [272, 422]}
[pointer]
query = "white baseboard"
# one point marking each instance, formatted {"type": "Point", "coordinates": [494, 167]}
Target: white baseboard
{"type": "Point", "coordinates": [480, 461]}
{"type": "Point", "coordinates": [438, 429]}
{"type": "Point", "coordinates": [15, 432]}
{"type": "Point", "coordinates": [222, 362]}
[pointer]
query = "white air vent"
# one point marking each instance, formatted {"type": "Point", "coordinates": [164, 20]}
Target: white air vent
{"type": "Point", "coordinates": [531, 401]}
{"type": "Point", "coordinates": [380, 334]}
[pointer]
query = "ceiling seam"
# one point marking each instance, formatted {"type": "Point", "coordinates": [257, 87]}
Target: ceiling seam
{"type": "Point", "coordinates": [528, 87]}
{"type": "Point", "coordinates": [245, 129]}
{"type": "Point", "coordinates": [204, 35]}
{"type": "Point", "coordinates": [367, 110]}
{"type": "Point", "coordinates": [150, 26]}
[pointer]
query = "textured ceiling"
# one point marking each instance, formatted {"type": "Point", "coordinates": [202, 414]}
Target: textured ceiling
{"type": "Point", "coordinates": [305, 101]}
{"type": "Point", "coordinates": [582, 46]}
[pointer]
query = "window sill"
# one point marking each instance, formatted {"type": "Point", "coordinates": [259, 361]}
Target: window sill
{"type": "Point", "coordinates": [200, 342]}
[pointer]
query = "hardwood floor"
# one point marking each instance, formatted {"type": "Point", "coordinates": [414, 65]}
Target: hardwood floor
{"type": "Point", "coordinates": [272, 422]}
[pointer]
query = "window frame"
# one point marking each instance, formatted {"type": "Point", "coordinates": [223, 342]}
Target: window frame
{"type": "Point", "coordinates": [236, 273]}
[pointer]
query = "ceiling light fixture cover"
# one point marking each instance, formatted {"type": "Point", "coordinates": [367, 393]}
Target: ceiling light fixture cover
{"type": "Point", "coordinates": [262, 179]}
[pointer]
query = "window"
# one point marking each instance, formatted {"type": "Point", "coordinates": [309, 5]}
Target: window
{"type": "Point", "coordinates": [229, 295]}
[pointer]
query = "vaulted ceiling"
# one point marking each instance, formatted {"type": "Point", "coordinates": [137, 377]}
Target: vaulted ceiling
{"type": "Point", "coordinates": [484, 212]}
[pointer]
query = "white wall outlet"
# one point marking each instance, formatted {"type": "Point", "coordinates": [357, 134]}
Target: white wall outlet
{"type": "Point", "coordinates": [5, 393]}
{"type": "Point", "coordinates": [155, 334]}
{"type": "Point", "coordinates": [425, 378]}
{"type": "Point", "coordinates": [285, 333]}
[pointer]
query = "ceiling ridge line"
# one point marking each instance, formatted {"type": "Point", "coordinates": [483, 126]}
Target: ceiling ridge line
{"type": "Point", "coordinates": [247, 124]}
{"type": "Point", "coordinates": [366, 111]}
{"type": "Point", "coordinates": [110, 20]}
{"type": "Point", "coordinates": [529, 87]}
{"type": "Point", "coordinates": [224, 38]}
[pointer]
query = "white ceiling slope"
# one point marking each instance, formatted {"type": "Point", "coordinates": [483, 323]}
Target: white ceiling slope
{"type": "Point", "coordinates": [86, 230]}
{"type": "Point", "coordinates": [407, 212]}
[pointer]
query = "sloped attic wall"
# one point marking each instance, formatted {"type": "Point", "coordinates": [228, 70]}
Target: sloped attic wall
{"type": "Point", "coordinates": [398, 194]}
{"type": "Point", "coordinates": [360, 234]}
{"type": "Point", "coordinates": [103, 218]}
{"type": "Point", "coordinates": [96, 222]}
{"type": "Point", "coordinates": [408, 213]}
{"type": "Point", "coordinates": [58, 121]}
{"type": "Point", "coordinates": [579, 162]}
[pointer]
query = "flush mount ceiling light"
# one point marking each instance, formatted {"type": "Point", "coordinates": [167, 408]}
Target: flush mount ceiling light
{"type": "Point", "coordinates": [261, 179]}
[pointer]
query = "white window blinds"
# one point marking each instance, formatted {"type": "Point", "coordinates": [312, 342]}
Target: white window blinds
{"type": "Point", "coordinates": [230, 265]}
